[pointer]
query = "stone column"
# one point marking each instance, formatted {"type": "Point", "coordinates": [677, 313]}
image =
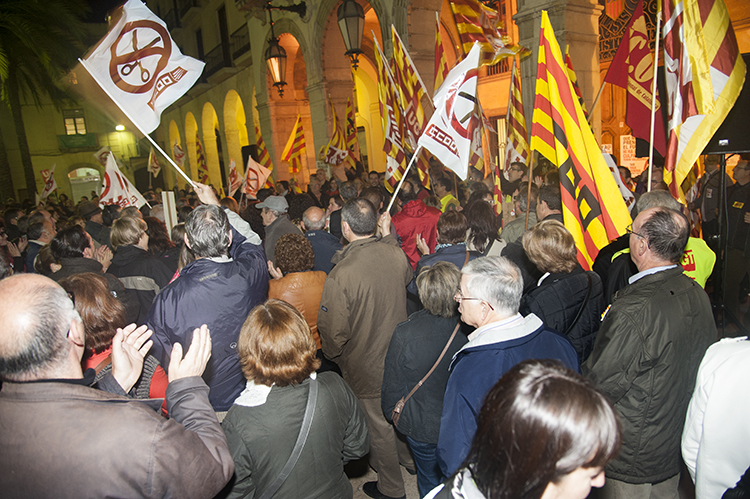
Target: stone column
{"type": "Point", "coordinates": [576, 23]}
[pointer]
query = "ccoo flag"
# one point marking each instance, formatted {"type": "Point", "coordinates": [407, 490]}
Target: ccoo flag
{"type": "Point", "coordinates": [593, 210]}
{"type": "Point", "coordinates": [138, 64]}
{"type": "Point", "coordinates": [450, 130]}
{"type": "Point", "coordinates": [117, 188]}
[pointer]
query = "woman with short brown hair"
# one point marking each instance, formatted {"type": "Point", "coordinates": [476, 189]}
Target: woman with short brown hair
{"type": "Point", "coordinates": [277, 356]}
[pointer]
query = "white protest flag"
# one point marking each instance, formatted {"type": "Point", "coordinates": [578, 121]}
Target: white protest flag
{"type": "Point", "coordinates": [234, 178]}
{"type": "Point", "coordinates": [49, 182]}
{"type": "Point", "coordinates": [117, 189]}
{"type": "Point", "coordinates": [449, 132]}
{"type": "Point", "coordinates": [255, 177]}
{"type": "Point", "coordinates": [178, 154]}
{"type": "Point", "coordinates": [627, 194]}
{"type": "Point", "coordinates": [101, 155]}
{"type": "Point", "coordinates": [153, 163]}
{"type": "Point", "coordinates": [140, 67]}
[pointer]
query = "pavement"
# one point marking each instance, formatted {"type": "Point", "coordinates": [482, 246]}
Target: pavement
{"type": "Point", "coordinates": [359, 473]}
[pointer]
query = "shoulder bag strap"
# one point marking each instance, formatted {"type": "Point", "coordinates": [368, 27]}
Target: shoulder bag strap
{"type": "Point", "coordinates": [583, 305]}
{"type": "Point", "coordinates": [442, 354]}
{"type": "Point", "coordinates": [466, 260]}
{"type": "Point", "coordinates": [312, 397]}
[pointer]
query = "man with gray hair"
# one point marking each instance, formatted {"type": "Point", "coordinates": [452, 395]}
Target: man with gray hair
{"type": "Point", "coordinates": [646, 356]}
{"type": "Point", "coordinates": [228, 277]}
{"type": "Point", "coordinates": [93, 443]}
{"type": "Point", "coordinates": [489, 297]}
{"type": "Point", "coordinates": [276, 221]}
{"type": "Point", "coordinates": [324, 244]}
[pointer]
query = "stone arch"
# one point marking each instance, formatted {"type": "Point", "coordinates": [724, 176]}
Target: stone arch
{"type": "Point", "coordinates": [191, 132]}
{"type": "Point", "coordinates": [209, 126]}
{"type": "Point", "coordinates": [235, 128]}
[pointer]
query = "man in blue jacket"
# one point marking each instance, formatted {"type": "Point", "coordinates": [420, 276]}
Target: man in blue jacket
{"type": "Point", "coordinates": [489, 297]}
{"type": "Point", "coordinates": [227, 279]}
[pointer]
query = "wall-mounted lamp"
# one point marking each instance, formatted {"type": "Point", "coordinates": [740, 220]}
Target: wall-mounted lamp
{"type": "Point", "coordinates": [351, 18]}
{"type": "Point", "coordinates": [120, 128]}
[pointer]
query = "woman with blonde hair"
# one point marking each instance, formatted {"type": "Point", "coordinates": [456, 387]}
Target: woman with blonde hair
{"type": "Point", "coordinates": [567, 298]}
{"type": "Point", "coordinates": [291, 430]}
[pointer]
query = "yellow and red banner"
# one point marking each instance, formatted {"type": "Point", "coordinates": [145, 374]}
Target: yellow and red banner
{"type": "Point", "coordinates": [574, 81]}
{"type": "Point", "coordinates": [391, 120]}
{"type": "Point", "coordinates": [704, 76]}
{"type": "Point", "coordinates": [202, 166]}
{"type": "Point", "coordinates": [593, 209]}
{"type": "Point", "coordinates": [295, 147]}
{"type": "Point", "coordinates": [441, 63]}
{"type": "Point", "coordinates": [351, 128]}
{"type": "Point", "coordinates": [477, 22]}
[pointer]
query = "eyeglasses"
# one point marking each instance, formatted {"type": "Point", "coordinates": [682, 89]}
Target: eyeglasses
{"type": "Point", "coordinates": [459, 297]}
{"type": "Point", "coordinates": [629, 230]}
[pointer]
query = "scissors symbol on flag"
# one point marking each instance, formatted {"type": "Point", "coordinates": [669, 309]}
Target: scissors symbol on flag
{"type": "Point", "coordinates": [124, 64]}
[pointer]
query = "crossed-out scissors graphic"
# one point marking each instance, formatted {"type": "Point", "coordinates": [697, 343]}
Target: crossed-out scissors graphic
{"type": "Point", "coordinates": [128, 68]}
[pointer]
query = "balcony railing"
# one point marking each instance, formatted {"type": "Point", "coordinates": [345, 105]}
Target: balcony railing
{"type": "Point", "coordinates": [239, 43]}
{"type": "Point", "coordinates": [215, 60]}
{"type": "Point", "coordinates": [500, 68]}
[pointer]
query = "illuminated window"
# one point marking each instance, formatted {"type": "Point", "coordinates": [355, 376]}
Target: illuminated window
{"type": "Point", "coordinates": [74, 121]}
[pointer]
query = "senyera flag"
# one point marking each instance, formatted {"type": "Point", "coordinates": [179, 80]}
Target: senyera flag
{"type": "Point", "coordinates": [593, 209]}
{"type": "Point", "coordinates": [449, 132]}
{"type": "Point", "coordinates": [117, 188]}
{"type": "Point", "coordinates": [138, 64]}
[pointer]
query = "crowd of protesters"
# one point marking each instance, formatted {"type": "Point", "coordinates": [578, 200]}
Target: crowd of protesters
{"type": "Point", "coordinates": [268, 340]}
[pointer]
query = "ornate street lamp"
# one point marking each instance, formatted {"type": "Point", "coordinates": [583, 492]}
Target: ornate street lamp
{"type": "Point", "coordinates": [276, 60]}
{"type": "Point", "coordinates": [351, 18]}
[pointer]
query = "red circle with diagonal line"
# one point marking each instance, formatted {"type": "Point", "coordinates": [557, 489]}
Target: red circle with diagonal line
{"type": "Point", "coordinates": [133, 59]}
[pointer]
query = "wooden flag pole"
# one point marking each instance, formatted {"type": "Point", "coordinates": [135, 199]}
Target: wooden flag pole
{"type": "Point", "coordinates": [653, 103]}
{"type": "Point", "coordinates": [596, 101]}
{"type": "Point", "coordinates": [135, 123]}
{"type": "Point", "coordinates": [403, 177]}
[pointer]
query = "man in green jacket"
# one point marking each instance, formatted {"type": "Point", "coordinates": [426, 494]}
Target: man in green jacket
{"type": "Point", "coordinates": [646, 356]}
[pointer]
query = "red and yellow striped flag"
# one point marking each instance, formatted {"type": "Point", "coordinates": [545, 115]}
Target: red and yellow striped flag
{"type": "Point", "coordinates": [263, 157]}
{"type": "Point", "coordinates": [441, 63]}
{"type": "Point", "coordinates": [593, 209]}
{"type": "Point", "coordinates": [351, 128]}
{"type": "Point", "coordinates": [295, 147]}
{"type": "Point", "coordinates": [410, 86]}
{"type": "Point", "coordinates": [574, 81]}
{"type": "Point", "coordinates": [704, 76]}
{"type": "Point", "coordinates": [478, 23]}
{"type": "Point", "coordinates": [391, 120]}
{"type": "Point", "coordinates": [202, 166]}
{"type": "Point", "coordinates": [516, 147]}
{"type": "Point", "coordinates": [336, 152]}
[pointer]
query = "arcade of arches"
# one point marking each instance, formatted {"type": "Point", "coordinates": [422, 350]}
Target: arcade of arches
{"type": "Point", "coordinates": [224, 108]}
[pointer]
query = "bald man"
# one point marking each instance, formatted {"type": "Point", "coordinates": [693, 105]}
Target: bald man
{"type": "Point", "coordinates": [324, 244]}
{"type": "Point", "coordinates": [61, 438]}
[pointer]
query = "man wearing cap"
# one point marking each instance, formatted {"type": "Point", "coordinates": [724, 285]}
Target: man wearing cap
{"type": "Point", "coordinates": [276, 221]}
{"type": "Point", "coordinates": [94, 225]}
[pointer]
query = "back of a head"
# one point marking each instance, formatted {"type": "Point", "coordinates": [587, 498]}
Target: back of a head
{"type": "Point", "coordinates": [373, 195]}
{"type": "Point", "coordinates": [451, 227]}
{"type": "Point", "coordinates": [667, 232]}
{"type": "Point", "coordinates": [183, 213]}
{"type": "Point", "coordinates": [657, 199]}
{"type": "Point", "coordinates": [497, 281]}
{"type": "Point", "coordinates": [275, 345]}
{"type": "Point", "coordinates": [437, 287]}
{"type": "Point", "coordinates": [447, 183]}
{"type": "Point", "coordinates": [126, 231]}
{"type": "Point", "coordinates": [540, 422]}
{"type": "Point", "coordinates": [100, 312]}
{"type": "Point", "coordinates": [158, 237]}
{"type": "Point", "coordinates": [348, 191]}
{"type": "Point", "coordinates": [361, 216]}
{"type": "Point", "coordinates": [110, 213]}
{"type": "Point", "coordinates": [69, 243]}
{"type": "Point", "coordinates": [551, 247]}
{"type": "Point", "coordinates": [525, 202]}
{"type": "Point", "coordinates": [35, 230]}
{"type": "Point", "coordinates": [294, 253]}
{"type": "Point", "coordinates": [482, 222]}
{"type": "Point", "coordinates": [158, 212]}
{"type": "Point", "coordinates": [131, 211]}
{"type": "Point", "coordinates": [33, 327]}
{"type": "Point", "coordinates": [230, 203]}
{"type": "Point", "coordinates": [264, 194]}
{"type": "Point", "coordinates": [178, 234]}
{"type": "Point", "coordinates": [208, 231]}
{"type": "Point", "coordinates": [314, 218]}
{"type": "Point", "coordinates": [406, 193]}
{"type": "Point", "coordinates": [550, 194]}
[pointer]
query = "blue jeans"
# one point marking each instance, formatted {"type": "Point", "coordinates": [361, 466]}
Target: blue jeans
{"type": "Point", "coordinates": [428, 471]}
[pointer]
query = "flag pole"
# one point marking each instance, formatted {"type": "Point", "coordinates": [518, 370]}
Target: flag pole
{"type": "Point", "coordinates": [653, 102]}
{"type": "Point", "coordinates": [127, 115]}
{"type": "Point", "coordinates": [596, 101]}
{"type": "Point", "coordinates": [403, 177]}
